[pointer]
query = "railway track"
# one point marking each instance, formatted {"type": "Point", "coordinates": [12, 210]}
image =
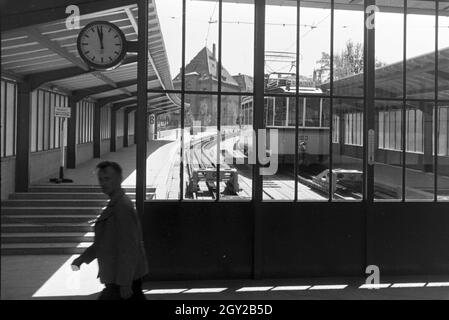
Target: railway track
{"type": "Point", "coordinates": [201, 160]}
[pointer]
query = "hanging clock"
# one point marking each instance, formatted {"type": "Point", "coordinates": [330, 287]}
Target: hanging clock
{"type": "Point", "coordinates": [102, 45]}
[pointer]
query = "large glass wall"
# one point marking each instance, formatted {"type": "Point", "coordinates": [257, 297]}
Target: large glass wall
{"type": "Point", "coordinates": [203, 150]}
{"type": "Point", "coordinates": [316, 110]}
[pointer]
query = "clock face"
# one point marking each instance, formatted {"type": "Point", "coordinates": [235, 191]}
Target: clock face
{"type": "Point", "coordinates": [102, 45]}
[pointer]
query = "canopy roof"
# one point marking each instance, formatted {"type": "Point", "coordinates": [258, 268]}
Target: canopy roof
{"type": "Point", "coordinates": [45, 53]}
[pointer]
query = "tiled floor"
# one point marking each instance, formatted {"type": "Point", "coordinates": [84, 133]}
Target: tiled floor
{"type": "Point", "coordinates": [50, 277]}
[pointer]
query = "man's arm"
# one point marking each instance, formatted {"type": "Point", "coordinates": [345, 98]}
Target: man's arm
{"type": "Point", "coordinates": [87, 256]}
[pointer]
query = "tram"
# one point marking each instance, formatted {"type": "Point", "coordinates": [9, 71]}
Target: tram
{"type": "Point", "coordinates": [279, 113]}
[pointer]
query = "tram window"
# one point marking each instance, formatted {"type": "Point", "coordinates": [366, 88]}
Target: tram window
{"type": "Point", "coordinates": [269, 111]}
{"type": "Point", "coordinates": [291, 112]}
{"type": "Point", "coordinates": [280, 111]}
{"type": "Point", "coordinates": [325, 113]}
{"type": "Point", "coordinates": [312, 112]}
{"type": "Point", "coordinates": [336, 129]}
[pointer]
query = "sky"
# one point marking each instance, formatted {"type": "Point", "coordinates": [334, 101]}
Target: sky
{"type": "Point", "coordinates": [238, 34]}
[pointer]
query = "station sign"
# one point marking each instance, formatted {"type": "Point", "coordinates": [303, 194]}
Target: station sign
{"type": "Point", "coordinates": [62, 112]}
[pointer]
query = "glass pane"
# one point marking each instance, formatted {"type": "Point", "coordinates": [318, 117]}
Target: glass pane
{"type": "Point", "coordinates": [421, 53]}
{"type": "Point", "coordinates": [200, 157]}
{"type": "Point", "coordinates": [280, 48]}
{"type": "Point", "coordinates": [279, 139]}
{"type": "Point", "coordinates": [388, 156]}
{"type": "Point", "coordinates": [235, 144]}
{"type": "Point", "coordinates": [169, 13]}
{"type": "Point", "coordinates": [201, 45]}
{"type": "Point", "coordinates": [280, 111]}
{"type": "Point", "coordinates": [443, 93]}
{"type": "Point", "coordinates": [313, 149]}
{"type": "Point", "coordinates": [314, 47]}
{"type": "Point", "coordinates": [347, 165]}
{"type": "Point", "coordinates": [443, 47]}
{"type": "Point", "coordinates": [238, 46]}
{"type": "Point", "coordinates": [348, 52]}
{"type": "Point", "coordinates": [443, 152]}
{"type": "Point", "coordinates": [419, 180]}
{"type": "Point", "coordinates": [389, 52]}
{"type": "Point", "coordinates": [163, 156]}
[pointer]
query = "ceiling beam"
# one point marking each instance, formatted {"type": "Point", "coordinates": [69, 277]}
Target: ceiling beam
{"type": "Point", "coordinates": [56, 48]}
{"type": "Point", "coordinates": [111, 99]}
{"type": "Point", "coordinates": [133, 21]}
{"type": "Point", "coordinates": [117, 98]}
{"type": "Point", "coordinates": [124, 103]}
{"type": "Point", "coordinates": [131, 109]}
{"type": "Point", "coordinates": [21, 14]}
{"type": "Point", "coordinates": [41, 78]}
{"type": "Point", "coordinates": [34, 34]}
{"type": "Point", "coordinates": [12, 75]}
{"type": "Point", "coordinates": [80, 94]}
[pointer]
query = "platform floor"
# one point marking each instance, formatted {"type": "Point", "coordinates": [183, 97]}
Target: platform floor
{"type": "Point", "coordinates": [50, 277]}
{"type": "Point", "coordinates": [161, 155]}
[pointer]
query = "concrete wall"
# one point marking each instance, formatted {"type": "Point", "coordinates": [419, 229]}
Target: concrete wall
{"type": "Point", "coordinates": [189, 240]}
{"type": "Point", "coordinates": [105, 146]}
{"type": "Point", "coordinates": [84, 152]}
{"type": "Point", "coordinates": [131, 139]}
{"type": "Point", "coordinates": [119, 143]}
{"type": "Point", "coordinates": [8, 176]}
{"type": "Point", "coordinates": [44, 164]}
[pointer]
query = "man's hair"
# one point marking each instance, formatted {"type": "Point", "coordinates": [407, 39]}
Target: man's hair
{"type": "Point", "coordinates": [114, 165]}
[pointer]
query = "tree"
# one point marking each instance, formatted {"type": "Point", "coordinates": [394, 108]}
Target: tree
{"type": "Point", "coordinates": [349, 62]}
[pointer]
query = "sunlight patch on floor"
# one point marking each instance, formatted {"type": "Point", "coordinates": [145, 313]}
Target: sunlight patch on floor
{"type": "Point", "coordinates": [65, 282]}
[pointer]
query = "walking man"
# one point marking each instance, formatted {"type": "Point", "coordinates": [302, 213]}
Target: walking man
{"type": "Point", "coordinates": [118, 244]}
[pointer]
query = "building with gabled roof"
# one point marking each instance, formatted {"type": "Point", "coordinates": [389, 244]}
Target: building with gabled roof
{"type": "Point", "coordinates": [202, 75]}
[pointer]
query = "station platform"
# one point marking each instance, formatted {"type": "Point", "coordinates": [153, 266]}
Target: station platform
{"type": "Point", "coordinates": [160, 159]}
{"type": "Point", "coordinates": [51, 278]}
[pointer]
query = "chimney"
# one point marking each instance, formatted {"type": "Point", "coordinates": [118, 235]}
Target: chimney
{"type": "Point", "coordinates": [214, 51]}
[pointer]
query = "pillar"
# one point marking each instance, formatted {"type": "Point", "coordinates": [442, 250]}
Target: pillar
{"type": "Point", "coordinates": [71, 135]}
{"type": "Point", "coordinates": [22, 173]}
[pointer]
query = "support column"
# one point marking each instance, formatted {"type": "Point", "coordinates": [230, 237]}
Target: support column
{"type": "Point", "coordinates": [125, 128]}
{"type": "Point", "coordinates": [97, 131]}
{"type": "Point", "coordinates": [113, 140]}
{"type": "Point", "coordinates": [368, 123]}
{"type": "Point", "coordinates": [22, 173]}
{"type": "Point", "coordinates": [142, 105]}
{"type": "Point", "coordinates": [258, 123]}
{"type": "Point", "coordinates": [71, 135]}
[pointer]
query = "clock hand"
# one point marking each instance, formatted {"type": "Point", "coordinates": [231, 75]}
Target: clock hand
{"type": "Point", "coordinates": [100, 35]}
